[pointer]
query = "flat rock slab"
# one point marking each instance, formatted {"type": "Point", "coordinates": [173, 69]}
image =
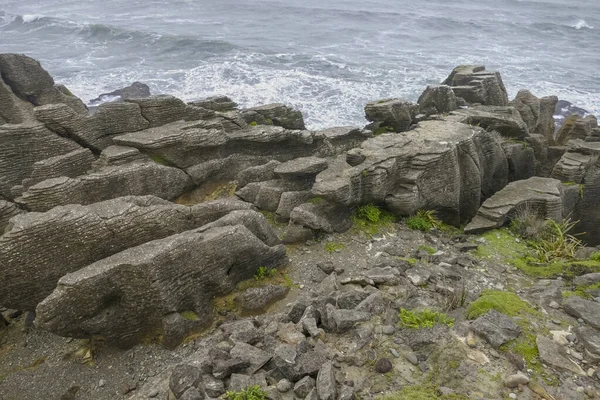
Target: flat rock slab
{"type": "Point", "coordinates": [259, 298]}
{"type": "Point", "coordinates": [496, 328]}
{"type": "Point", "coordinates": [7, 211]}
{"type": "Point", "coordinates": [542, 194]}
{"type": "Point", "coordinates": [125, 297]}
{"type": "Point", "coordinates": [587, 310]}
{"type": "Point", "coordinates": [555, 355]}
{"type": "Point", "coordinates": [301, 167]}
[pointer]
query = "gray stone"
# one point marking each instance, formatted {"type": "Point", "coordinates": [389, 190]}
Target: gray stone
{"type": "Point", "coordinates": [88, 302]}
{"type": "Point", "coordinates": [323, 216]}
{"type": "Point", "coordinates": [304, 167]}
{"type": "Point", "coordinates": [555, 355]}
{"type": "Point", "coordinates": [242, 331]}
{"type": "Point", "coordinates": [135, 90]}
{"type": "Point", "coordinates": [418, 276]}
{"type": "Point", "coordinates": [216, 103]}
{"type": "Point", "coordinates": [477, 86]}
{"type": "Point", "coordinates": [213, 387]}
{"type": "Point", "coordinates": [346, 319]}
{"type": "Point", "coordinates": [326, 384]}
{"type": "Point", "coordinates": [259, 298]}
{"type": "Point", "coordinates": [521, 161]}
{"type": "Point", "coordinates": [259, 173]}
{"type": "Point", "coordinates": [394, 113]}
{"type": "Point", "coordinates": [183, 378]}
{"type": "Point", "coordinates": [504, 120]}
{"type": "Point", "coordinates": [515, 380]}
{"type": "Point", "coordinates": [383, 275]}
{"type": "Point", "coordinates": [7, 211]}
{"type": "Point", "coordinates": [496, 328]}
{"type": "Point", "coordinates": [590, 338]}
{"type": "Point", "coordinates": [304, 386]}
{"type": "Point", "coordinates": [544, 195]}
{"type": "Point", "coordinates": [383, 365]}
{"type": "Point", "coordinates": [587, 310]}
{"type": "Point", "coordinates": [276, 114]}
{"type": "Point", "coordinates": [224, 368]}
{"type": "Point", "coordinates": [536, 113]}
{"type": "Point", "coordinates": [587, 279]}
{"type": "Point", "coordinates": [284, 386]}
{"type": "Point", "coordinates": [192, 394]}
{"type": "Point", "coordinates": [412, 358]}
{"type": "Point", "coordinates": [256, 357]}
{"type": "Point", "coordinates": [437, 99]}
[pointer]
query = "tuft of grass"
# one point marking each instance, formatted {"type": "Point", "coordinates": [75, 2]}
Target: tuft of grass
{"type": "Point", "coordinates": [424, 220]}
{"type": "Point", "coordinates": [264, 272]}
{"type": "Point", "coordinates": [332, 247]}
{"type": "Point", "coordinates": [253, 123]}
{"type": "Point", "coordinates": [595, 256]}
{"type": "Point", "coordinates": [423, 319]}
{"type": "Point", "coordinates": [382, 130]}
{"type": "Point", "coordinates": [558, 243]}
{"type": "Point", "coordinates": [189, 315]}
{"type": "Point", "coordinates": [254, 392]}
{"type": "Point", "coordinates": [371, 219]}
{"type": "Point", "coordinates": [505, 302]}
{"type": "Point", "coordinates": [428, 249]}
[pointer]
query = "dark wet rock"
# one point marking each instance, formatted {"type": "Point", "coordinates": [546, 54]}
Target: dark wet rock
{"type": "Point", "coordinates": [477, 86]}
{"type": "Point", "coordinates": [135, 90]}
{"type": "Point", "coordinates": [7, 211]}
{"type": "Point", "coordinates": [183, 378]}
{"type": "Point", "coordinates": [326, 383]}
{"type": "Point", "coordinates": [304, 386]}
{"type": "Point", "coordinates": [275, 114]}
{"type": "Point", "coordinates": [87, 302]}
{"type": "Point", "coordinates": [16, 164]}
{"type": "Point", "coordinates": [383, 365]}
{"type": "Point", "coordinates": [224, 368]}
{"type": "Point", "coordinates": [437, 99]}
{"type": "Point", "coordinates": [587, 310]}
{"type": "Point", "coordinates": [587, 279]}
{"type": "Point", "coordinates": [395, 114]}
{"type": "Point", "coordinates": [471, 160]}
{"type": "Point", "coordinates": [521, 161]}
{"type": "Point", "coordinates": [555, 355]}
{"type": "Point", "coordinates": [542, 194]}
{"type": "Point", "coordinates": [496, 328]}
{"type": "Point", "coordinates": [259, 298]}
{"type": "Point", "coordinates": [242, 331]}
{"type": "Point", "coordinates": [136, 178]}
{"type": "Point", "coordinates": [256, 357]}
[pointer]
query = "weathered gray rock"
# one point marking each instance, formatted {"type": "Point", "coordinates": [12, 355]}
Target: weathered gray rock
{"type": "Point", "coordinates": [439, 165]}
{"type": "Point", "coordinates": [326, 384]}
{"type": "Point", "coordinates": [284, 386]}
{"type": "Point", "coordinates": [242, 331]}
{"type": "Point", "coordinates": [344, 320]}
{"type": "Point", "coordinates": [259, 173]}
{"type": "Point", "coordinates": [21, 146]}
{"type": "Point", "coordinates": [542, 194]}
{"type": "Point", "coordinates": [7, 211]}
{"type": "Point", "coordinates": [225, 368]}
{"type": "Point", "coordinates": [437, 99]}
{"type": "Point", "coordinates": [125, 296]}
{"type": "Point", "coordinates": [396, 114]}
{"type": "Point", "coordinates": [135, 90]}
{"type": "Point", "coordinates": [477, 86]}
{"type": "Point", "coordinates": [72, 164]}
{"type": "Point", "coordinates": [140, 178]}
{"type": "Point", "coordinates": [515, 380]}
{"type": "Point", "coordinates": [182, 378]}
{"type": "Point", "coordinates": [213, 387]}
{"type": "Point", "coordinates": [216, 103]}
{"type": "Point", "coordinates": [323, 216]}
{"type": "Point", "coordinates": [94, 130]}
{"type": "Point", "coordinates": [418, 276]}
{"type": "Point", "coordinates": [71, 237]}
{"type": "Point", "coordinates": [192, 394]}
{"type": "Point", "coordinates": [289, 201]}
{"type": "Point", "coordinates": [555, 355]}
{"type": "Point", "coordinates": [496, 328]}
{"type": "Point", "coordinates": [275, 114]}
{"type": "Point", "coordinates": [521, 161]}
{"type": "Point", "coordinates": [576, 127]}
{"type": "Point", "coordinates": [13, 110]}
{"type": "Point", "coordinates": [256, 357]}
{"type": "Point", "coordinates": [303, 387]}
{"type": "Point", "coordinates": [537, 113]}
{"type": "Point", "coordinates": [267, 195]}
{"type": "Point", "coordinates": [590, 338]}
{"type": "Point", "coordinates": [587, 279]}
{"type": "Point", "coordinates": [304, 167]}
{"type": "Point", "coordinates": [259, 298]}
{"type": "Point", "coordinates": [504, 120]}
{"type": "Point", "coordinates": [587, 310]}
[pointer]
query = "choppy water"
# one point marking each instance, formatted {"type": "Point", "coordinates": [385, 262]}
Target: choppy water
{"type": "Point", "coordinates": [327, 58]}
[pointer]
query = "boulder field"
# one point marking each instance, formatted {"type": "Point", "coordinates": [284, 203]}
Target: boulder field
{"type": "Point", "coordinates": [125, 221]}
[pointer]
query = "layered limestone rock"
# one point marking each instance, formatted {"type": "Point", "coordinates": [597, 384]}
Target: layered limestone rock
{"type": "Point", "coordinates": [68, 238]}
{"type": "Point", "coordinates": [537, 113]}
{"type": "Point", "coordinates": [437, 99]}
{"type": "Point", "coordinates": [7, 211]}
{"type": "Point", "coordinates": [504, 120]}
{"type": "Point", "coordinates": [576, 127]}
{"type": "Point", "coordinates": [138, 178]}
{"type": "Point", "coordinates": [543, 195]}
{"type": "Point", "coordinates": [128, 295]}
{"type": "Point", "coordinates": [475, 85]}
{"type": "Point", "coordinates": [274, 114]}
{"type": "Point", "coordinates": [24, 145]}
{"type": "Point", "coordinates": [441, 165]}
{"type": "Point", "coordinates": [393, 115]}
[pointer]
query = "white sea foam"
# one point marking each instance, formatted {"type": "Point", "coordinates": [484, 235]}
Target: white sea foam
{"type": "Point", "coordinates": [28, 18]}
{"type": "Point", "coordinates": [581, 24]}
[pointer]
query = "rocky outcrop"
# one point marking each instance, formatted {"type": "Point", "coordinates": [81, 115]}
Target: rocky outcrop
{"type": "Point", "coordinates": [504, 120]}
{"type": "Point", "coordinates": [391, 115]}
{"type": "Point", "coordinates": [127, 295]}
{"type": "Point", "coordinates": [437, 100]}
{"type": "Point", "coordinates": [7, 211]}
{"type": "Point", "coordinates": [475, 85]}
{"type": "Point", "coordinates": [135, 90]}
{"type": "Point", "coordinates": [442, 165]}
{"type": "Point", "coordinates": [274, 114]}
{"type": "Point", "coordinates": [576, 127]}
{"type": "Point", "coordinates": [68, 238]}
{"type": "Point", "coordinates": [537, 113]}
{"type": "Point", "coordinates": [545, 195]}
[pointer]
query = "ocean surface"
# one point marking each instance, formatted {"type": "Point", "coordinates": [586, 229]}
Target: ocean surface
{"type": "Point", "coordinates": [327, 58]}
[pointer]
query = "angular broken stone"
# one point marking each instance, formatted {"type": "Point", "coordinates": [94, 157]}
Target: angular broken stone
{"type": "Point", "coordinates": [496, 328]}
{"type": "Point", "coordinates": [259, 298]}
{"type": "Point", "coordinates": [587, 310]}
{"type": "Point", "coordinates": [555, 355]}
{"type": "Point", "coordinates": [326, 384]}
{"type": "Point", "coordinates": [182, 378]}
{"type": "Point", "coordinates": [253, 355]}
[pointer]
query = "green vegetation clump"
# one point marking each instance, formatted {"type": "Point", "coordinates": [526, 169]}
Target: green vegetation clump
{"type": "Point", "coordinates": [428, 249]}
{"type": "Point", "coordinates": [371, 219]}
{"type": "Point", "coordinates": [557, 243]}
{"type": "Point", "coordinates": [264, 272]}
{"type": "Point", "coordinates": [253, 123]}
{"type": "Point", "coordinates": [382, 130]}
{"type": "Point", "coordinates": [189, 315]}
{"type": "Point", "coordinates": [505, 302]}
{"type": "Point", "coordinates": [332, 247]}
{"type": "Point", "coordinates": [423, 319]}
{"type": "Point", "coordinates": [424, 220]}
{"type": "Point", "coordinates": [595, 256]}
{"type": "Point", "coordinates": [250, 393]}
{"type": "Point", "coordinates": [159, 160]}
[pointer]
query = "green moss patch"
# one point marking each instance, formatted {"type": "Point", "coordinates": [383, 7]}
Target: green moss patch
{"type": "Point", "coordinates": [423, 319]}
{"type": "Point", "coordinates": [383, 129]}
{"type": "Point", "coordinates": [189, 315]}
{"type": "Point", "coordinates": [371, 219]}
{"type": "Point", "coordinates": [426, 220]}
{"type": "Point", "coordinates": [250, 393]}
{"type": "Point", "coordinates": [332, 247]}
{"type": "Point", "coordinates": [505, 302]}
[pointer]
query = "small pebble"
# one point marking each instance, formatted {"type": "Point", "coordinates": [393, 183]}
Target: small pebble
{"type": "Point", "coordinates": [383, 365]}
{"type": "Point", "coordinates": [571, 337]}
{"type": "Point", "coordinates": [515, 380]}
{"type": "Point", "coordinates": [388, 330]}
{"type": "Point", "coordinates": [101, 383]}
{"type": "Point", "coordinates": [591, 372]}
{"type": "Point", "coordinates": [554, 305]}
{"type": "Point", "coordinates": [512, 396]}
{"type": "Point", "coordinates": [284, 386]}
{"type": "Point", "coordinates": [412, 358]}
{"type": "Point", "coordinates": [580, 389]}
{"type": "Point", "coordinates": [556, 321]}
{"type": "Point", "coordinates": [153, 393]}
{"type": "Point", "coordinates": [394, 353]}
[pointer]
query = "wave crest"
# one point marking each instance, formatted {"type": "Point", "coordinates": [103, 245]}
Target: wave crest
{"type": "Point", "coordinates": [581, 24]}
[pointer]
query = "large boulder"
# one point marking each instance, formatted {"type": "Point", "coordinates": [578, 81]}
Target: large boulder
{"type": "Point", "coordinates": [135, 90]}
{"type": "Point", "coordinates": [126, 296]}
{"type": "Point", "coordinates": [537, 113]}
{"type": "Point", "coordinates": [442, 165]}
{"type": "Point", "coordinates": [21, 147]}
{"type": "Point", "coordinates": [138, 178]}
{"type": "Point", "coordinates": [504, 120]}
{"type": "Point", "coordinates": [576, 127]}
{"type": "Point", "coordinates": [68, 238]}
{"type": "Point", "coordinates": [477, 86]}
{"type": "Point", "coordinates": [437, 99]}
{"type": "Point", "coordinates": [395, 114]}
{"type": "Point", "coordinates": [545, 195]}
